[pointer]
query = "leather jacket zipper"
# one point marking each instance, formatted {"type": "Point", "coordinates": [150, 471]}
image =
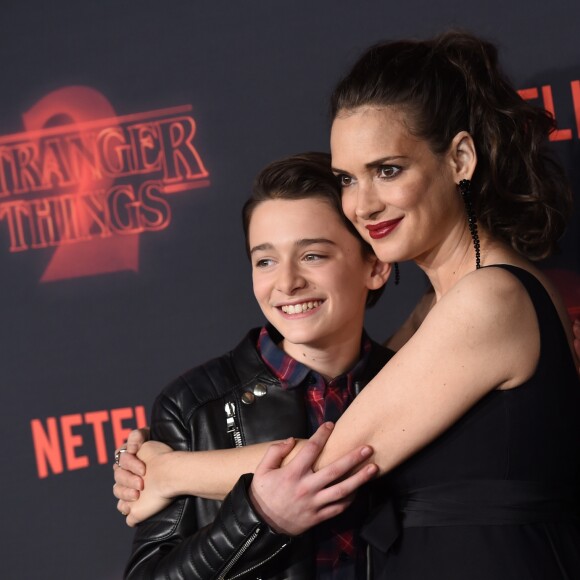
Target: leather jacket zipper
{"type": "Point", "coordinates": [241, 552]}
{"type": "Point", "coordinates": [232, 423]}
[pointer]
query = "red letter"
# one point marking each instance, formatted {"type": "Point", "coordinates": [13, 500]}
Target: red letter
{"type": "Point", "coordinates": [120, 433]}
{"type": "Point", "coordinates": [182, 162]}
{"type": "Point", "coordinates": [140, 416]}
{"type": "Point", "coordinates": [96, 419]}
{"type": "Point", "coordinates": [72, 441]}
{"type": "Point", "coordinates": [46, 447]}
{"type": "Point", "coordinates": [557, 134]}
{"type": "Point", "coordinates": [576, 100]}
{"type": "Point", "coordinates": [156, 207]}
{"type": "Point", "coordinates": [15, 212]}
{"type": "Point", "coordinates": [528, 94]}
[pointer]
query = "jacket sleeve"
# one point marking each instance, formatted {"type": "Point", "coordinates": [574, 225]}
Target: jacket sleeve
{"type": "Point", "coordinates": [171, 544]}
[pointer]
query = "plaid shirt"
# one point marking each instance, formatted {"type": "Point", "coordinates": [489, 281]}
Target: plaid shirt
{"type": "Point", "coordinates": [340, 554]}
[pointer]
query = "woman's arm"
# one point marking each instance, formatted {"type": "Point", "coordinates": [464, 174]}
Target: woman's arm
{"type": "Point", "coordinates": [481, 335]}
{"type": "Point", "coordinates": [169, 474]}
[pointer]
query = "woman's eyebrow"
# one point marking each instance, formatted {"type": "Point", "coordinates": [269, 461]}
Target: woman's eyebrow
{"type": "Point", "coordinates": [384, 160]}
{"type": "Point", "coordinates": [373, 164]}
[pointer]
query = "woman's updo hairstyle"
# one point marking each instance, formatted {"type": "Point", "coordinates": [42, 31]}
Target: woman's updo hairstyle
{"type": "Point", "coordinates": [453, 83]}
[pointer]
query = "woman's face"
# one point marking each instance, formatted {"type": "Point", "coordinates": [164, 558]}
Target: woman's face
{"type": "Point", "coordinates": [400, 196]}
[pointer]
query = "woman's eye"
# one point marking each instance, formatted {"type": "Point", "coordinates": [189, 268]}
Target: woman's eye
{"type": "Point", "coordinates": [388, 171]}
{"type": "Point", "coordinates": [344, 180]}
{"type": "Point", "coordinates": [312, 257]}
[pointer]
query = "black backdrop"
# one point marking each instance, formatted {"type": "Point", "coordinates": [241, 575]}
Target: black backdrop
{"type": "Point", "coordinates": [150, 281]}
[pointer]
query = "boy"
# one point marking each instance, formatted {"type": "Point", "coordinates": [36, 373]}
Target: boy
{"type": "Point", "coordinates": [313, 276]}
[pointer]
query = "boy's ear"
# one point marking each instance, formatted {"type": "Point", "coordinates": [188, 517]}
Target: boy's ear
{"type": "Point", "coordinates": [379, 274]}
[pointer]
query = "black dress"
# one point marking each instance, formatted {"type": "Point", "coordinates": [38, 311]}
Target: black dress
{"type": "Point", "coordinates": [496, 496]}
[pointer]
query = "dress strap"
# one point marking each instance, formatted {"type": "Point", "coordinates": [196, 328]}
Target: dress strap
{"type": "Point", "coordinates": [554, 347]}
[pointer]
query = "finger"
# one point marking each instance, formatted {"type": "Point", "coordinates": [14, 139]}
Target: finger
{"type": "Point", "coordinates": [127, 478]}
{"type": "Point", "coordinates": [132, 463]}
{"type": "Point", "coordinates": [332, 510]}
{"type": "Point", "coordinates": [123, 508]}
{"type": "Point", "coordinates": [125, 493]}
{"type": "Point", "coordinates": [127, 486]}
{"type": "Point", "coordinates": [310, 451]}
{"type": "Point", "coordinates": [274, 455]}
{"type": "Point", "coordinates": [343, 466]}
{"type": "Point", "coordinates": [347, 487]}
{"type": "Point", "coordinates": [136, 438]}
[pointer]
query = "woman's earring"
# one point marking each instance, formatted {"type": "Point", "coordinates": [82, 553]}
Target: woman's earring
{"type": "Point", "coordinates": [397, 273]}
{"type": "Point", "coordinates": [465, 189]}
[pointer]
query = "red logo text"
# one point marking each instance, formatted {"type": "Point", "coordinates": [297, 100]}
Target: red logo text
{"type": "Point", "coordinates": [87, 182]}
{"type": "Point", "coordinates": [76, 441]}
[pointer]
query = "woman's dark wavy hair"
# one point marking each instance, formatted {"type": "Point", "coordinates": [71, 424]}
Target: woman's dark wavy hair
{"type": "Point", "coordinates": [303, 176]}
{"type": "Point", "coordinates": [453, 83]}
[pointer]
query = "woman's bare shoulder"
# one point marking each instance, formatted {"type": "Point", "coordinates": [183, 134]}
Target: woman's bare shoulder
{"type": "Point", "coordinates": [485, 295]}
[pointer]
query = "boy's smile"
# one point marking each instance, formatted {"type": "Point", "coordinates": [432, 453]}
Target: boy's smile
{"type": "Point", "coordinates": [309, 273]}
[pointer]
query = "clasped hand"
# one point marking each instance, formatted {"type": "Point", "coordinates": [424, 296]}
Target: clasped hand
{"type": "Point", "coordinates": [140, 478]}
{"type": "Point", "coordinates": [291, 497]}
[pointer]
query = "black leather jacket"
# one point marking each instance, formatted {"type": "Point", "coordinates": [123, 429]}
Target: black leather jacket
{"type": "Point", "coordinates": [230, 401]}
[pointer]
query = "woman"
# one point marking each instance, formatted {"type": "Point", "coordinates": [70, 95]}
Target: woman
{"type": "Point", "coordinates": [474, 422]}
{"type": "Point", "coordinates": [441, 162]}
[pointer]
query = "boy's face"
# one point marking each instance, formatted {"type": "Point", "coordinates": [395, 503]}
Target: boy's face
{"type": "Point", "coordinates": [310, 277]}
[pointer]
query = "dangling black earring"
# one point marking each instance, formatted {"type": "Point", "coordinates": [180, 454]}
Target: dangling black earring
{"type": "Point", "coordinates": [465, 189]}
{"type": "Point", "coordinates": [397, 273]}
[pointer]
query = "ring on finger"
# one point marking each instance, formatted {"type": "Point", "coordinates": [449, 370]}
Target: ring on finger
{"type": "Point", "coordinates": [118, 455]}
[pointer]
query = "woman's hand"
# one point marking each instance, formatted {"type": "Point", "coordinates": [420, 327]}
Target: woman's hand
{"type": "Point", "coordinates": [293, 498]}
{"type": "Point", "coordinates": [129, 471]}
{"type": "Point", "coordinates": [153, 497]}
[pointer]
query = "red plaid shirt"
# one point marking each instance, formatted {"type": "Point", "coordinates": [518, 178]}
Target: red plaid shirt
{"type": "Point", "coordinates": [340, 554]}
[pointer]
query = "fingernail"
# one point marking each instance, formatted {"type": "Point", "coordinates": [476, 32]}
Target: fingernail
{"type": "Point", "coordinates": [372, 468]}
{"type": "Point", "coordinates": [366, 451]}
{"type": "Point", "coordinates": [288, 441]}
{"type": "Point", "coordinates": [329, 425]}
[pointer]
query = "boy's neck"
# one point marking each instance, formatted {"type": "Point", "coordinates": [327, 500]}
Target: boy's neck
{"type": "Point", "coordinates": [328, 360]}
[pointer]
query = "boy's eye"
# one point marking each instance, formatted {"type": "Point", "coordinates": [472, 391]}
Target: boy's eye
{"type": "Point", "coordinates": [312, 257]}
{"type": "Point", "coordinates": [263, 263]}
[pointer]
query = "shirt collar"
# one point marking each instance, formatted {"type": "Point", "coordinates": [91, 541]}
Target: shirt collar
{"type": "Point", "coordinates": [292, 373]}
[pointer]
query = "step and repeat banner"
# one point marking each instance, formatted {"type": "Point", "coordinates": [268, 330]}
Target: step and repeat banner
{"type": "Point", "coordinates": [130, 132]}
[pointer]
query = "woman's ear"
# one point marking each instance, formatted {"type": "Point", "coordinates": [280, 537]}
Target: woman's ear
{"type": "Point", "coordinates": [462, 156]}
{"type": "Point", "coordinates": [379, 274]}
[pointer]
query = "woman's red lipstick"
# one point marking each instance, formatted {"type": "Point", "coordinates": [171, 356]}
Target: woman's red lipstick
{"type": "Point", "coordinates": [383, 229]}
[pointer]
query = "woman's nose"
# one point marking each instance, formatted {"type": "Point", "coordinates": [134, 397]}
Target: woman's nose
{"type": "Point", "coordinates": [368, 203]}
